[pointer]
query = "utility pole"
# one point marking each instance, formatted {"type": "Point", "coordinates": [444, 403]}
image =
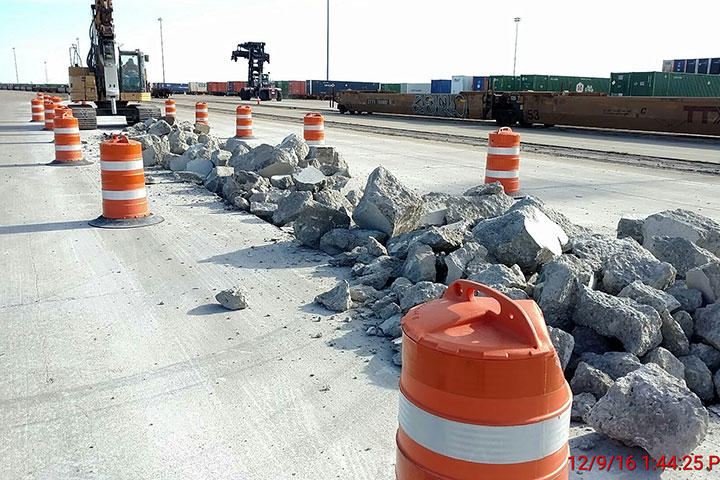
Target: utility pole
{"type": "Point", "coordinates": [78, 49]}
{"type": "Point", "coordinates": [46, 77]}
{"type": "Point", "coordinates": [327, 59]}
{"type": "Point", "coordinates": [162, 48]}
{"type": "Point", "coordinates": [17, 79]}
{"type": "Point", "coordinates": [517, 24]}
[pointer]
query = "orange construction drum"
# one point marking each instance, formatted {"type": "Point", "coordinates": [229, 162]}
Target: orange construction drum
{"type": "Point", "coordinates": [38, 110]}
{"type": "Point", "coordinates": [170, 110]}
{"type": "Point", "coordinates": [68, 150]}
{"type": "Point", "coordinates": [201, 113]}
{"type": "Point", "coordinates": [482, 392]}
{"type": "Point", "coordinates": [503, 159]}
{"type": "Point", "coordinates": [314, 129]}
{"type": "Point", "coordinates": [124, 197]}
{"type": "Point", "coordinates": [243, 122]}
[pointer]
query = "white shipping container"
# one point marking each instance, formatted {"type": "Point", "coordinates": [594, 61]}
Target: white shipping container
{"type": "Point", "coordinates": [667, 66]}
{"type": "Point", "coordinates": [414, 88]}
{"type": "Point", "coordinates": [461, 83]}
{"type": "Point", "coordinates": [198, 87]}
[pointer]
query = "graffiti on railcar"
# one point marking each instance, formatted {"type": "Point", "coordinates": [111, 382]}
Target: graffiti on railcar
{"type": "Point", "coordinates": [440, 105]}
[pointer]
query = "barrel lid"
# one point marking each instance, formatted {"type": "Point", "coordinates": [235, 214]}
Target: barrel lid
{"type": "Point", "coordinates": [313, 114]}
{"type": "Point", "coordinates": [505, 131]}
{"type": "Point", "coordinates": [492, 327]}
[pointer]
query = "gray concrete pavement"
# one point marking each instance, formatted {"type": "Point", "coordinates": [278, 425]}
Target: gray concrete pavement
{"type": "Point", "coordinates": [117, 362]}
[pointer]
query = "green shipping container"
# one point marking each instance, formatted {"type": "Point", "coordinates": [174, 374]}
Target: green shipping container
{"type": "Point", "coordinates": [505, 83]}
{"type": "Point", "coordinates": [620, 84]}
{"type": "Point", "coordinates": [649, 84]}
{"type": "Point", "coordinates": [537, 83]}
{"type": "Point", "coordinates": [693, 85]}
{"type": "Point", "coordinates": [390, 87]}
{"type": "Point", "coordinates": [284, 87]}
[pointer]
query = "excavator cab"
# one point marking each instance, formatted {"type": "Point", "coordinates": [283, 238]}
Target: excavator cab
{"type": "Point", "coordinates": [133, 76]}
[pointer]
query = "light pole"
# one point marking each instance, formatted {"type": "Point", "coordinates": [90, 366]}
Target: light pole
{"type": "Point", "coordinates": [78, 50]}
{"type": "Point", "coordinates": [327, 58]}
{"type": "Point", "coordinates": [517, 24]}
{"type": "Point", "coordinates": [46, 77]}
{"type": "Point", "coordinates": [17, 79]}
{"type": "Point", "coordinates": [162, 49]}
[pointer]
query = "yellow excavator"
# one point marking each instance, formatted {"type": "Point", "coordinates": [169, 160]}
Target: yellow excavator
{"type": "Point", "coordinates": [114, 80]}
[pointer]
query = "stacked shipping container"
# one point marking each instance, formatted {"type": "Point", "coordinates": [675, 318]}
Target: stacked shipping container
{"type": "Point", "coordinates": [664, 84]}
{"type": "Point", "coordinates": [709, 66]}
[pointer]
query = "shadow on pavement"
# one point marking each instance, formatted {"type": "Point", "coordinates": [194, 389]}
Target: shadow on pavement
{"type": "Point", "coordinates": [45, 164]}
{"type": "Point", "coordinates": [44, 227]}
{"type": "Point", "coordinates": [207, 309]}
{"type": "Point", "coordinates": [283, 254]}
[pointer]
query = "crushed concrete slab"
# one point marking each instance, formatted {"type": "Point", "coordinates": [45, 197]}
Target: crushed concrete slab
{"type": "Point", "coordinates": [420, 263]}
{"type": "Point", "coordinates": [338, 299]}
{"type": "Point", "coordinates": [309, 179]}
{"type": "Point", "coordinates": [391, 326]}
{"type": "Point", "coordinates": [498, 275]}
{"type": "Point", "coordinates": [265, 160]}
{"type": "Point", "coordinates": [201, 128]}
{"type": "Point", "coordinates": [667, 361]}
{"type": "Point", "coordinates": [686, 224]}
{"type": "Point", "coordinates": [291, 206]}
{"type": "Point", "coordinates": [686, 322]}
{"type": "Point", "coordinates": [189, 177]}
{"type": "Point", "coordinates": [622, 269]}
{"type": "Point", "coordinates": [588, 340]}
{"type": "Point", "coordinates": [216, 178]}
{"type": "Point", "coordinates": [178, 141]}
{"type": "Point", "coordinates": [651, 409]}
{"type": "Point", "coordinates": [296, 144]}
{"type": "Point", "coordinates": [493, 188]}
{"type": "Point", "coordinates": [597, 248]}
{"type": "Point", "coordinates": [220, 158]}
{"type": "Point", "coordinates": [589, 379]}
{"type": "Point", "coordinates": [380, 271]}
{"type": "Point", "coordinates": [236, 146]}
{"type": "Point", "coordinates": [233, 298]}
{"type": "Point", "coordinates": [706, 279]}
{"type": "Point", "coordinates": [636, 326]}
{"type": "Point", "coordinates": [344, 240]}
{"type": "Point", "coordinates": [264, 210]}
{"type": "Point", "coordinates": [524, 236]}
{"type": "Point", "coordinates": [419, 293]}
{"type": "Point", "coordinates": [582, 404]}
{"type": "Point", "coordinates": [281, 181]}
{"type": "Point", "coordinates": [570, 229]}
{"type": "Point", "coordinates": [680, 252]}
{"type": "Point", "coordinates": [564, 344]}
{"type": "Point", "coordinates": [387, 205]}
{"type": "Point", "coordinates": [557, 288]}
{"type": "Point", "coordinates": [329, 161]}
{"type": "Point", "coordinates": [333, 199]}
{"type": "Point", "coordinates": [709, 355]}
{"type": "Point", "coordinates": [656, 298]}
{"type": "Point", "coordinates": [707, 324]}
{"type": "Point", "coordinates": [690, 298]}
{"type": "Point", "coordinates": [615, 364]}
{"type": "Point", "coordinates": [631, 228]}
{"type": "Point", "coordinates": [363, 293]}
{"type": "Point", "coordinates": [315, 220]}
{"type": "Point", "coordinates": [473, 208]}
{"type": "Point", "coordinates": [456, 262]}
{"type": "Point", "coordinates": [201, 166]}
{"type": "Point", "coordinates": [698, 378]}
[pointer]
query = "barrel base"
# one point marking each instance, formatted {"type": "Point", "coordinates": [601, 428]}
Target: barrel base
{"type": "Point", "coordinates": [251, 137]}
{"type": "Point", "coordinates": [102, 222]}
{"type": "Point", "coordinates": [71, 164]}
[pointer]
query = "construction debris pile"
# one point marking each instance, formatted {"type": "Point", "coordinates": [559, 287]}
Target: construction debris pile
{"type": "Point", "coordinates": [635, 319]}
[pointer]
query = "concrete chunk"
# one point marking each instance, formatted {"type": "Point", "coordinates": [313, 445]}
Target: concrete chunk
{"type": "Point", "coordinates": [651, 409]}
{"type": "Point", "coordinates": [630, 228]}
{"type": "Point", "coordinates": [582, 404]}
{"type": "Point", "coordinates": [265, 160]}
{"type": "Point", "coordinates": [686, 224]}
{"type": "Point", "coordinates": [497, 275]}
{"type": "Point", "coordinates": [667, 361]}
{"type": "Point", "coordinates": [291, 206]}
{"type": "Point", "coordinates": [557, 288]}
{"type": "Point", "coordinates": [201, 166]}
{"type": "Point", "coordinates": [419, 293]}
{"type": "Point", "coordinates": [524, 236]}
{"type": "Point", "coordinates": [457, 261]}
{"type": "Point", "coordinates": [563, 343]}
{"type": "Point", "coordinates": [309, 179]}
{"type": "Point", "coordinates": [706, 279]}
{"type": "Point", "coordinates": [328, 160]}
{"type": "Point", "coordinates": [494, 188]}
{"type": "Point", "coordinates": [707, 324]}
{"type": "Point", "coordinates": [344, 240]}
{"type": "Point", "coordinates": [232, 298]}
{"type": "Point", "coordinates": [622, 269]}
{"type": "Point", "coordinates": [615, 364]}
{"type": "Point", "coordinates": [315, 220]}
{"type": "Point", "coordinates": [698, 378]}
{"type": "Point", "coordinates": [588, 379]}
{"type": "Point", "coordinates": [387, 205]}
{"type": "Point", "coordinates": [681, 253]}
{"type": "Point", "coordinates": [470, 209]}
{"type": "Point", "coordinates": [338, 299]}
{"type": "Point", "coordinates": [296, 144]}
{"type": "Point", "coordinates": [636, 326]}
{"type": "Point", "coordinates": [236, 146]}
{"type": "Point", "coordinates": [709, 355]}
{"type": "Point", "coordinates": [420, 264]}
{"type": "Point", "coordinates": [690, 298]}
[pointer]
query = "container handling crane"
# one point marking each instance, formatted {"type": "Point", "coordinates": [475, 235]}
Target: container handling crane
{"type": "Point", "coordinates": [258, 84]}
{"type": "Point", "coordinates": [110, 84]}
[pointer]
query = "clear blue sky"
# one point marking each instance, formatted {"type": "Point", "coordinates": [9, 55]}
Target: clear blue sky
{"type": "Point", "coordinates": [371, 40]}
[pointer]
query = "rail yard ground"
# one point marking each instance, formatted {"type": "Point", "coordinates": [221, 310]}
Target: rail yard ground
{"type": "Point", "coordinates": [118, 363]}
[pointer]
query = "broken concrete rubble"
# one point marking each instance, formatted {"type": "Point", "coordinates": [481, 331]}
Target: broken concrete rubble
{"type": "Point", "coordinates": [387, 205]}
{"type": "Point", "coordinates": [709, 355]}
{"type": "Point", "coordinates": [457, 262]}
{"type": "Point", "coordinates": [557, 288]}
{"type": "Point", "coordinates": [309, 179]}
{"type": "Point", "coordinates": [690, 299]}
{"type": "Point", "coordinates": [582, 404]}
{"type": "Point", "coordinates": [680, 253]}
{"type": "Point", "coordinates": [420, 263]}
{"type": "Point", "coordinates": [698, 378]}
{"type": "Point", "coordinates": [338, 299]}
{"type": "Point", "coordinates": [588, 379]}
{"type": "Point", "coordinates": [691, 226]}
{"type": "Point", "coordinates": [651, 409]}
{"type": "Point", "coordinates": [706, 279]}
{"type": "Point", "coordinates": [315, 220]}
{"type": "Point", "coordinates": [328, 160]}
{"type": "Point", "coordinates": [343, 240]}
{"type": "Point", "coordinates": [563, 343]}
{"type": "Point", "coordinates": [615, 364]}
{"type": "Point", "coordinates": [419, 293]}
{"type": "Point", "coordinates": [630, 228]}
{"type": "Point", "coordinates": [265, 160]}
{"type": "Point", "coordinates": [707, 324]}
{"type": "Point", "coordinates": [473, 208]}
{"type": "Point", "coordinates": [623, 268]}
{"type": "Point", "coordinates": [296, 144]}
{"type": "Point", "coordinates": [498, 275]}
{"type": "Point", "coordinates": [232, 298]}
{"type": "Point", "coordinates": [667, 361]}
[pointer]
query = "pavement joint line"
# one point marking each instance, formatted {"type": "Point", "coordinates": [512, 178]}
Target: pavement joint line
{"type": "Point", "coordinates": [569, 152]}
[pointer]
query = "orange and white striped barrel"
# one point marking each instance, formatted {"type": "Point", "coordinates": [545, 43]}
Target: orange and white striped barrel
{"type": "Point", "coordinates": [482, 392]}
{"type": "Point", "coordinates": [38, 110]}
{"type": "Point", "coordinates": [40, 94]}
{"type": "Point", "coordinates": [314, 129]}
{"type": "Point", "coordinates": [49, 111]}
{"type": "Point", "coordinates": [170, 108]}
{"type": "Point", "coordinates": [201, 113]}
{"type": "Point", "coordinates": [68, 150]}
{"type": "Point", "coordinates": [243, 121]}
{"type": "Point", "coordinates": [503, 159]}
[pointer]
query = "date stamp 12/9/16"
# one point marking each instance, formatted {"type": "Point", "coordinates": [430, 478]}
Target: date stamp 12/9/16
{"type": "Point", "coordinates": [631, 462]}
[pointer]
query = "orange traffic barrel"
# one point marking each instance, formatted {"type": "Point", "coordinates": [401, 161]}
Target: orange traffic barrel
{"type": "Point", "coordinates": [124, 197]}
{"type": "Point", "coordinates": [482, 393]}
{"type": "Point", "coordinates": [503, 159]}
{"type": "Point", "coordinates": [49, 109]}
{"type": "Point", "coordinates": [68, 150]}
{"type": "Point", "coordinates": [314, 129]}
{"type": "Point", "coordinates": [243, 122]}
{"type": "Point", "coordinates": [170, 108]}
{"type": "Point", "coordinates": [38, 110]}
{"type": "Point", "coordinates": [40, 94]}
{"type": "Point", "coordinates": [201, 113]}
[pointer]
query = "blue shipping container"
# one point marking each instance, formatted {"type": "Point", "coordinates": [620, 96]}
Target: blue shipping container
{"type": "Point", "coordinates": [440, 86]}
{"type": "Point", "coordinates": [679, 66]}
{"type": "Point", "coordinates": [690, 65]}
{"type": "Point", "coordinates": [715, 66]}
{"type": "Point", "coordinates": [175, 87]}
{"type": "Point", "coordinates": [703, 65]}
{"type": "Point", "coordinates": [479, 84]}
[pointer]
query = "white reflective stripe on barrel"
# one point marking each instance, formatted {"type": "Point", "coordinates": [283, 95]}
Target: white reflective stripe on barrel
{"type": "Point", "coordinates": [314, 127]}
{"type": "Point", "coordinates": [49, 111]}
{"type": "Point", "coordinates": [37, 107]}
{"type": "Point", "coordinates": [313, 143]}
{"type": "Point", "coordinates": [502, 173]}
{"type": "Point", "coordinates": [124, 194]}
{"type": "Point", "coordinates": [243, 127]}
{"type": "Point", "coordinates": [67, 130]}
{"type": "Point", "coordinates": [201, 110]}
{"type": "Point", "coordinates": [504, 150]}
{"type": "Point", "coordinates": [67, 148]}
{"type": "Point", "coordinates": [482, 443]}
{"type": "Point", "coordinates": [121, 166]}
{"type": "Point", "coordinates": [243, 116]}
